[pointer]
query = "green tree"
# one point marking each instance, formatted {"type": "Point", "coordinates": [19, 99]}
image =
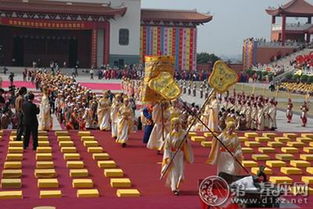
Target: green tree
{"type": "Point", "coordinates": [304, 78]}
{"type": "Point", "coordinates": [205, 58]}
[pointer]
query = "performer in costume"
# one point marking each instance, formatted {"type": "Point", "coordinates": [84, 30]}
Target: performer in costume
{"type": "Point", "coordinates": [103, 112]}
{"type": "Point", "coordinates": [289, 112]}
{"type": "Point", "coordinates": [125, 122]}
{"type": "Point", "coordinates": [260, 118]}
{"type": "Point", "coordinates": [45, 119]}
{"type": "Point", "coordinates": [146, 118]}
{"type": "Point", "coordinates": [220, 156]}
{"type": "Point", "coordinates": [272, 115]}
{"type": "Point", "coordinates": [116, 104]}
{"type": "Point", "coordinates": [176, 137]}
{"type": "Point", "coordinates": [304, 111]}
{"type": "Point", "coordinates": [161, 126]}
{"type": "Point", "coordinates": [213, 114]}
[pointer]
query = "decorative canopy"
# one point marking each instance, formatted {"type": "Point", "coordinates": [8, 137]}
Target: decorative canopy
{"type": "Point", "coordinates": [174, 15]}
{"type": "Point", "coordinates": [57, 7]}
{"type": "Point", "coordinates": [294, 8]}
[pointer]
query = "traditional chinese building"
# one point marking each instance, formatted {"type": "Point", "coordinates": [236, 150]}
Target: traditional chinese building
{"type": "Point", "coordinates": [94, 33]}
{"type": "Point", "coordinates": [285, 37]}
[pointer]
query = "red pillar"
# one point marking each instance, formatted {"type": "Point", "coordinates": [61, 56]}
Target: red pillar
{"type": "Point", "coordinates": [283, 30]}
{"type": "Point", "coordinates": [94, 47]}
{"type": "Point", "coordinates": [106, 48]}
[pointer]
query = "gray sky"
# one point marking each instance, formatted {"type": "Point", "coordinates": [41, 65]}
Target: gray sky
{"type": "Point", "coordinates": [233, 21]}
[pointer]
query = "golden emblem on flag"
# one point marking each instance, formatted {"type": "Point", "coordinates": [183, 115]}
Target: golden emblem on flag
{"type": "Point", "coordinates": [165, 85]}
{"type": "Point", "coordinates": [158, 89]}
{"type": "Point", "coordinates": [222, 77]}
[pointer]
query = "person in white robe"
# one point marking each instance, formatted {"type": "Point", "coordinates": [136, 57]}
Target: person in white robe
{"type": "Point", "coordinates": [125, 122]}
{"type": "Point", "coordinates": [45, 119]}
{"type": "Point", "coordinates": [116, 104]}
{"type": "Point", "coordinates": [161, 126]}
{"type": "Point", "coordinates": [175, 142]}
{"type": "Point", "coordinates": [272, 115]}
{"type": "Point", "coordinates": [103, 112]}
{"type": "Point", "coordinates": [220, 157]}
{"type": "Point", "coordinates": [213, 114]}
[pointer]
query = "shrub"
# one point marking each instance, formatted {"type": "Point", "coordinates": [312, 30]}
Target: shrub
{"type": "Point", "coordinates": [304, 78]}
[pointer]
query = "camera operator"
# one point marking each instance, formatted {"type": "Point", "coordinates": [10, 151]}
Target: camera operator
{"type": "Point", "coordinates": [11, 78]}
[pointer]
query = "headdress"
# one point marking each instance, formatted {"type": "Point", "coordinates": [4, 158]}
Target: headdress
{"type": "Point", "coordinates": [230, 122]}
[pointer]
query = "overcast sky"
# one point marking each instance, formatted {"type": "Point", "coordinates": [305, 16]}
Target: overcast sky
{"type": "Point", "coordinates": [233, 21]}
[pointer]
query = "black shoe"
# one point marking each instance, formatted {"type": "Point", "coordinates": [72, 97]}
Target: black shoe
{"type": "Point", "coordinates": [176, 193]}
{"type": "Point", "coordinates": [34, 148]}
{"type": "Point", "coordinates": [124, 145]}
{"type": "Point", "coordinates": [25, 147]}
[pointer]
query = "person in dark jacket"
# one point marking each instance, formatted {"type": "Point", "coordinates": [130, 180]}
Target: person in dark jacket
{"type": "Point", "coordinates": [30, 112]}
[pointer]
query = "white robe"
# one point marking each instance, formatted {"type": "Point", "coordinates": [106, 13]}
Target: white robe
{"type": "Point", "coordinates": [45, 119]}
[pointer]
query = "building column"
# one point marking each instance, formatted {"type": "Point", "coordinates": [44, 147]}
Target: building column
{"type": "Point", "coordinates": [309, 20]}
{"type": "Point", "coordinates": [283, 30]}
{"type": "Point", "coordinates": [94, 48]}
{"type": "Point", "coordinates": [273, 19]}
{"type": "Point", "coordinates": [106, 53]}
{"type": "Point", "coordinates": [308, 37]}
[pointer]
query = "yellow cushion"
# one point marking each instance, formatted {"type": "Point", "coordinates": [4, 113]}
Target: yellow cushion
{"type": "Point", "coordinates": [255, 170]}
{"type": "Point", "coordinates": [127, 193]}
{"type": "Point", "coordinates": [284, 156]}
{"type": "Point", "coordinates": [275, 144]}
{"type": "Point", "coordinates": [290, 135]}
{"type": "Point", "coordinates": [14, 157]}
{"type": "Point", "coordinates": [289, 150]}
{"type": "Point", "coordinates": [307, 179]}
{"type": "Point", "coordinates": [275, 163]}
{"type": "Point", "coordinates": [290, 170]}
{"type": "Point", "coordinates": [45, 173]}
{"type": "Point", "coordinates": [100, 156]}
{"type": "Point", "coordinates": [197, 138]}
{"type": "Point", "coordinates": [87, 193]}
{"type": "Point", "coordinates": [207, 134]}
{"type": "Point", "coordinates": [309, 170]}
{"type": "Point", "coordinates": [249, 163]}
{"type": "Point", "coordinates": [11, 195]}
{"type": "Point", "coordinates": [66, 144]}
{"type": "Point", "coordinates": [120, 182]}
{"type": "Point", "coordinates": [113, 173]}
{"type": "Point", "coordinates": [306, 156]}
{"type": "Point", "coordinates": [44, 150]}
{"type": "Point", "coordinates": [252, 144]}
{"type": "Point", "coordinates": [13, 165]}
{"type": "Point", "coordinates": [84, 133]}
{"type": "Point", "coordinates": [64, 138]}
{"type": "Point", "coordinates": [262, 139]}
{"type": "Point", "coordinates": [192, 134]}
{"type": "Point", "coordinates": [282, 139]}
{"type": "Point", "coordinates": [78, 173]}
{"type": "Point", "coordinates": [68, 150]}
{"type": "Point", "coordinates": [295, 144]}
{"type": "Point", "coordinates": [308, 150]}
{"type": "Point", "coordinates": [75, 164]}
{"type": "Point", "coordinates": [43, 156]}
{"type": "Point", "coordinates": [88, 138]}
{"type": "Point", "coordinates": [44, 164]}
{"type": "Point", "coordinates": [243, 138]}
{"type": "Point", "coordinates": [11, 173]}
{"type": "Point", "coordinates": [251, 134]}
{"type": "Point", "coordinates": [42, 133]}
{"type": "Point", "coordinates": [95, 149]}
{"type": "Point", "coordinates": [61, 133]}
{"type": "Point", "coordinates": [50, 194]}
{"type": "Point", "coordinates": [307, 135]}
{"type": "Point", "coordinates": [91, 143]}
{"type": "Point", "coordinates": [106, 164]}
{"type": "Point", "coordinates": [71, 156]}
{"type": "Point", "coordinates": [247, 150]}
{"type": "Point", "coordinates": [82, 183]}
{"type": "Point", "coordinates": [11, 183]}
{"type": "Point", "coordinates": [43, 138]}
{"type": "Point", "coordinates": [206, 143]}
{"type": "Point", "coordinates": [304, 139]}
{"type": "Point", "coordinates": [280, 179]}
{"type": "Point", "coordinates": [48, 183]}
{"type": "Point", "coordinates": [266, 149]}
{"type": "Point", "coordinates": [260, 157]}
{"type": "Point", "coordinates": [43, 144]}
{"type": "Point", "coordinates": [15, 150]}
{"type": "Point", "coordinates": [270, 135]}
{"type": "Point", "coordinates": [15, 144]}
{"type": "Point", "coordinates": [300, 163]}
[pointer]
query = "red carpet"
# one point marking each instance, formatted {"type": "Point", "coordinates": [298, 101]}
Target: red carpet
{"type": "Point", "coordinates": [102, 86]}
{"type": "Point", "coordinates": [139, 164]}
{"type": "Point", "coordinates": [6, 84]}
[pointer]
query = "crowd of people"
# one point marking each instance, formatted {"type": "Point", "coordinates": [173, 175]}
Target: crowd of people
{"type": "Point", "coordinates": [297, 88]}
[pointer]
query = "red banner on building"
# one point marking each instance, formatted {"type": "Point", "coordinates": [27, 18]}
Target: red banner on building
{"type": "Point", "coordinates": [50, 24]}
